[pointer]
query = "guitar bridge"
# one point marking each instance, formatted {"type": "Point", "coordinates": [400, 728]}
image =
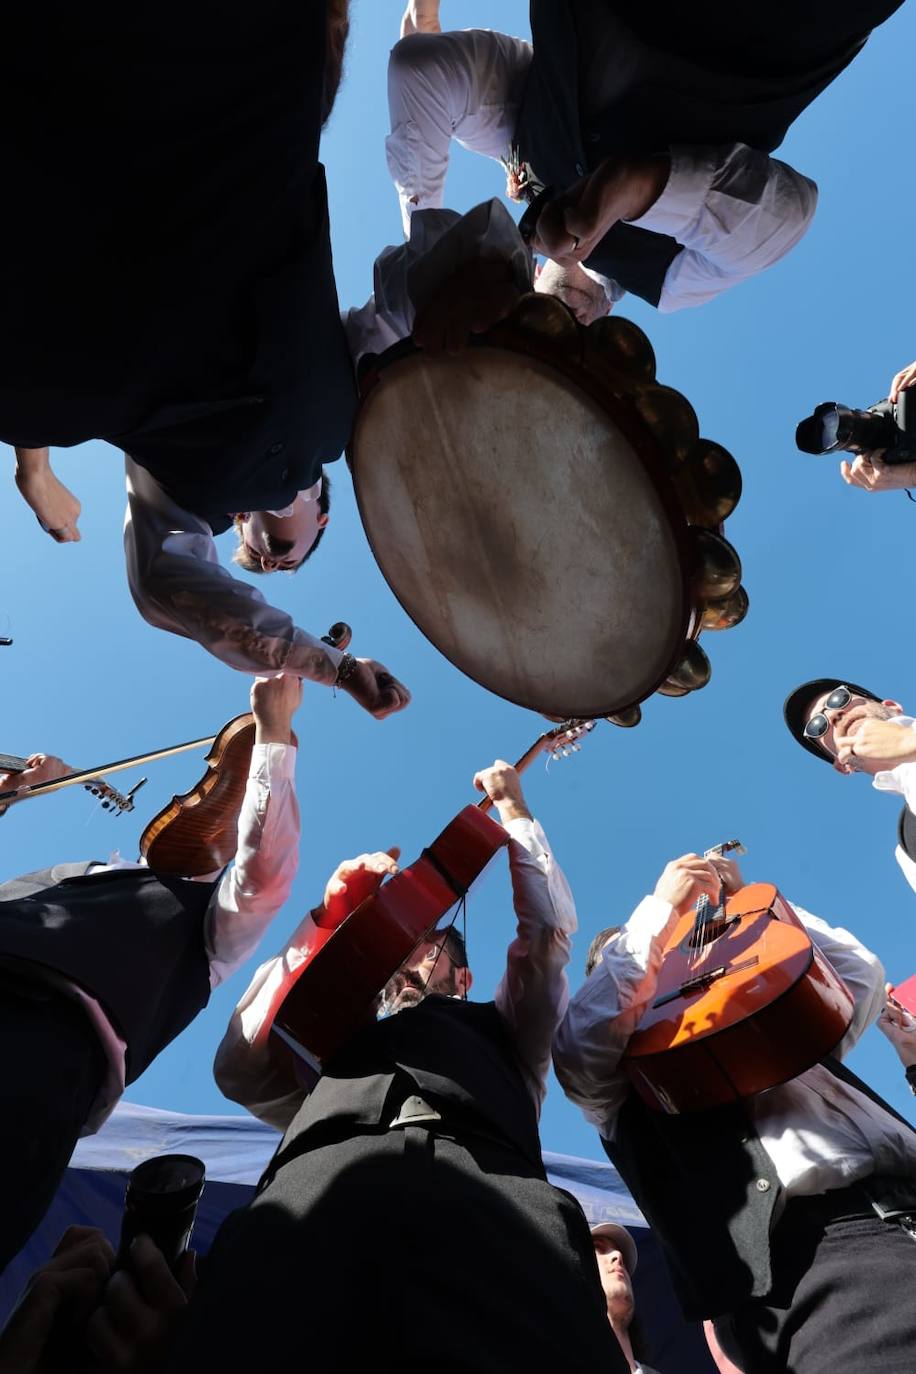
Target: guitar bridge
{"type": "Point", "coordinates": [704, 980]}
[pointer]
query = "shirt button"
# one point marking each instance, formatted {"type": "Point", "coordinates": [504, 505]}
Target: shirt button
{"type": "Point", "coordinates": [763, 1185]}
{"type": "Point", "coordinates": [284, 474]}
{"type": "Point", "coordinates": [580, 170]}
{"type": "Point", "coordinates": [275, 449]}
{"type": "Point", "coordinates": [594, 136]}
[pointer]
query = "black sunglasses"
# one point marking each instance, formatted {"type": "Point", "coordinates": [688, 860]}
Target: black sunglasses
{"type": "Point", "coordinates": [819, 725]}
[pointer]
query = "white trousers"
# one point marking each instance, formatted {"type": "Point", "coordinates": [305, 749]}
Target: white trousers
{"type": "Point", "coordinates": [465, 85]}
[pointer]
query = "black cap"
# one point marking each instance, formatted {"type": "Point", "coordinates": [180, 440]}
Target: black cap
{"type": "Point", "coordinates": [906, 832]}
{"type": "Point", "coordinates": [798, 703]}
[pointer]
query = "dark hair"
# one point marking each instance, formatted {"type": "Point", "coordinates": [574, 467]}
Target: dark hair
{"type": "Point", "coordinates": [338, 29]}
{"type": "Point", "coordinates": [597, 945]}
{"type": "Point", "coordinates": [250, 563]}
{"type": "Point", "coordinates": [454, 946]}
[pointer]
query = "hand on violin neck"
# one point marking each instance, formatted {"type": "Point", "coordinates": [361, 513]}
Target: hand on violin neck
{"type": "Point", "coordinates": [352, 882]}
{"type": "Point", "coordinates": [501, 784]}
{"type": "Point", "coordinates": [274, 702]}
{"type": "Point", "coordinates": [39, 768]}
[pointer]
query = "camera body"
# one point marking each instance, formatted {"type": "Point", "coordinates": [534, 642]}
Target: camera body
{"type": "Point", "coordinates": [888, 425]}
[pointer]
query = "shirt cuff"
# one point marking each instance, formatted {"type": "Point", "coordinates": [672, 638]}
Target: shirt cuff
{"type": "Point", "coordinates": [649, 923]}
{"type": "Point", "coordinates": [688, 185]}
{"type": "Point", "coordinates": [528, 832]}
{"type": "Point", "coordinates": [271, 763]}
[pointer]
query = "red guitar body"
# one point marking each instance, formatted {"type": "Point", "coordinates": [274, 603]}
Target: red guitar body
{"type": "Point", "coordinates": [346, 967]}
{"type": "Point", "coordinates": [754, 1005]}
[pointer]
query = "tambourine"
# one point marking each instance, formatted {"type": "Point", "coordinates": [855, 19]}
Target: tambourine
{"type": "Point", "coordinates": [547, 514]}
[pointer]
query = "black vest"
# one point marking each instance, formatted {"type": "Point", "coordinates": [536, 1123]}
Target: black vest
{"type": "Point", "coordinates": [131, 939]}
{"type": "Point", "coordinates": [458, 1054]}
{"type": "Point", "coordinates": [683, 74]}
{"type": "Point", "coordinates": [708, 1189]}
{"type": "Point", "coordinates": [182, 305]}
{"type": "Point", "coordinates": [549, 137]}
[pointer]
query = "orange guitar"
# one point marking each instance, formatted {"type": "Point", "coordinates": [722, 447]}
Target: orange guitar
{"type": "Point", "coordinates": [347, 965]}
{"type": "Point", "coordinates": [744, 1001]}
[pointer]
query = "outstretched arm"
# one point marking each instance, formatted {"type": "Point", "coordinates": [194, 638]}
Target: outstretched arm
{"type": "Point", "coordinates": [734, 210]}
{"type": "Point", "coordinates": [247, 1069]}
{"type": "Point", "coordinates": [178, 584]}
{"type": "Point", "coordinates": [608, 1007]}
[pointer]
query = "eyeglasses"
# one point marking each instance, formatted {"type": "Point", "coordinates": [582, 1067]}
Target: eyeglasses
{"type": "Point", "coordinates": [818, 725]}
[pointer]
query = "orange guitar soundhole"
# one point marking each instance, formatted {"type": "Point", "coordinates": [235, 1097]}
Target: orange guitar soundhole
{"type": "Point", "coordinates": [744, 1001]}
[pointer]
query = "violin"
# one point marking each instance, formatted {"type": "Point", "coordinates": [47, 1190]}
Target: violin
{"type": "Point", "coordinates": [745, 1000]}
{"type": "Point", "coordinates": [347, 965]}
{"type": "Point", "coordinates": [110, 797]}
{"type": "Point", "coordinates": [197, 832]}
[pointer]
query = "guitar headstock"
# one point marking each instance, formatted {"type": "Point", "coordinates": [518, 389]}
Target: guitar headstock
{"type": "Point", "coordinates": [718, 851]}
{"type": "Point", "coordinates": [565, 738]}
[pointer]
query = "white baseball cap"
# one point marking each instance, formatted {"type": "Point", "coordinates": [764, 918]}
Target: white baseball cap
{"type": "Point", "coordinates": [623, 1241]}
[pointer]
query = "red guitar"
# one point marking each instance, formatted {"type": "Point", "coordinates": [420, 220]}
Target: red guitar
{"type": "Point", "coordinates": [744, 1001]}
{"type": "Point", "coordinates": [347, 965]}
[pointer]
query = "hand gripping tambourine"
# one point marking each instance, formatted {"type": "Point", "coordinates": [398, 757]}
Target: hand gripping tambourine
{"type": "Point", "coordinates": [547, 513]}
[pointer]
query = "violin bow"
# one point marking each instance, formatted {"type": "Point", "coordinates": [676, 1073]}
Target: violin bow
{"type": "Point", "coordinates": [87, 774]}
{"type": "Point", "coordinates": [338, 636]}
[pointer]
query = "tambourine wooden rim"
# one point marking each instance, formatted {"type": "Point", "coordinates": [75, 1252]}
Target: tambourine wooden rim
{"type": "Point", "coordinates": [567, 355]}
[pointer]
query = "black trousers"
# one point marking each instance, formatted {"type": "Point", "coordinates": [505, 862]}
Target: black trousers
{"type": "Point", "coordinates": [844, 1296]}
{"type": "Point", "coordinates": [403, 1248]}
{"type": "Point", "coordinates": [53, 1065]}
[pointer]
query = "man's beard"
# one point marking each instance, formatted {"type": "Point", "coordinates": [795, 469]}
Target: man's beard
{"type": "Point", "coordinates": [404, 989]}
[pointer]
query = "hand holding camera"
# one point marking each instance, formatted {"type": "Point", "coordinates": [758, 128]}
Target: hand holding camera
{"type": "Point", "coordinates": [883, 437]}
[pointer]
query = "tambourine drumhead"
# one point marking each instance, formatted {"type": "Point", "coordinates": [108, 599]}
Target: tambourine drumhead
{"type": "Point", "coordinates": [520, 529]}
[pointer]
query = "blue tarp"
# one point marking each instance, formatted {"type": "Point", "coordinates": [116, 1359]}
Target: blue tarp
{"type": "Point", "coordinates": [235, 1150]}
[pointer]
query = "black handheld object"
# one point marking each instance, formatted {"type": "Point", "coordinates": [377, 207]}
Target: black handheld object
{"type": "Point", "coordinates": [887, 425]}
{"type": "Point", "coordinates": [161, 1202]}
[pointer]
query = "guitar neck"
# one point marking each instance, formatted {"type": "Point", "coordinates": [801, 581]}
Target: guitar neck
{"type": "Point", "coordinates": [557, 739]}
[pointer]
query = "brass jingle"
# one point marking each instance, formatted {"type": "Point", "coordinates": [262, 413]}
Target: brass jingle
{"type": "Point", "coordinates": [716, 566]}
{"type": "Point", "coordinates": [692, 670]}
{"type": "Point", "coordinates": [709, 484]}
{"type": "Point", "coordinates": [725, 614]}
{"type": "Point", "coordinates": [545, 315]}
{"type": "Point", "coordinates": [626, 719]}
{"type": "Point", "coordinates": [623, 344]}
{"type": "Point", "coordinates": [672, 420]}
{"type": "Point", "coordinates": [668, 689]}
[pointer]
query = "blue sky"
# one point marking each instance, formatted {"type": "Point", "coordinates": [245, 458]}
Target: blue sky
{"type": "Point", "coordinates": [827, 568]}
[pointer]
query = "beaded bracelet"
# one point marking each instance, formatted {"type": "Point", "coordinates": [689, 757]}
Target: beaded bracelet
{"type": "Point", "coordinates": [345, 669]}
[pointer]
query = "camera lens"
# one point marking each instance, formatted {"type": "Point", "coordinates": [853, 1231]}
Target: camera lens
{"type": "Point", "coordinates": [161, 1202]}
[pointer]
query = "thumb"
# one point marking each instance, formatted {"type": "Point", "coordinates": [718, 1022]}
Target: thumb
{"type": "Point", "coordinates": [394, 852]}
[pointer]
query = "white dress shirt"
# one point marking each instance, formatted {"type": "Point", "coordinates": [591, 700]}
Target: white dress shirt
{"type": "Point", "coordinates": [173, 569]}
{"type": "Point", "coordinates": [735, 210]}
{"type": "Point", "coordinates": [819, 1132]}
{"type": "Point", "coordinates": [178, 584]}
{"type": "Point", "coordinates": [532, 995]}
{"type": "Point", "coordinates": [901, 780]}
{"type": "Point", "coordinates": [249, 895]}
